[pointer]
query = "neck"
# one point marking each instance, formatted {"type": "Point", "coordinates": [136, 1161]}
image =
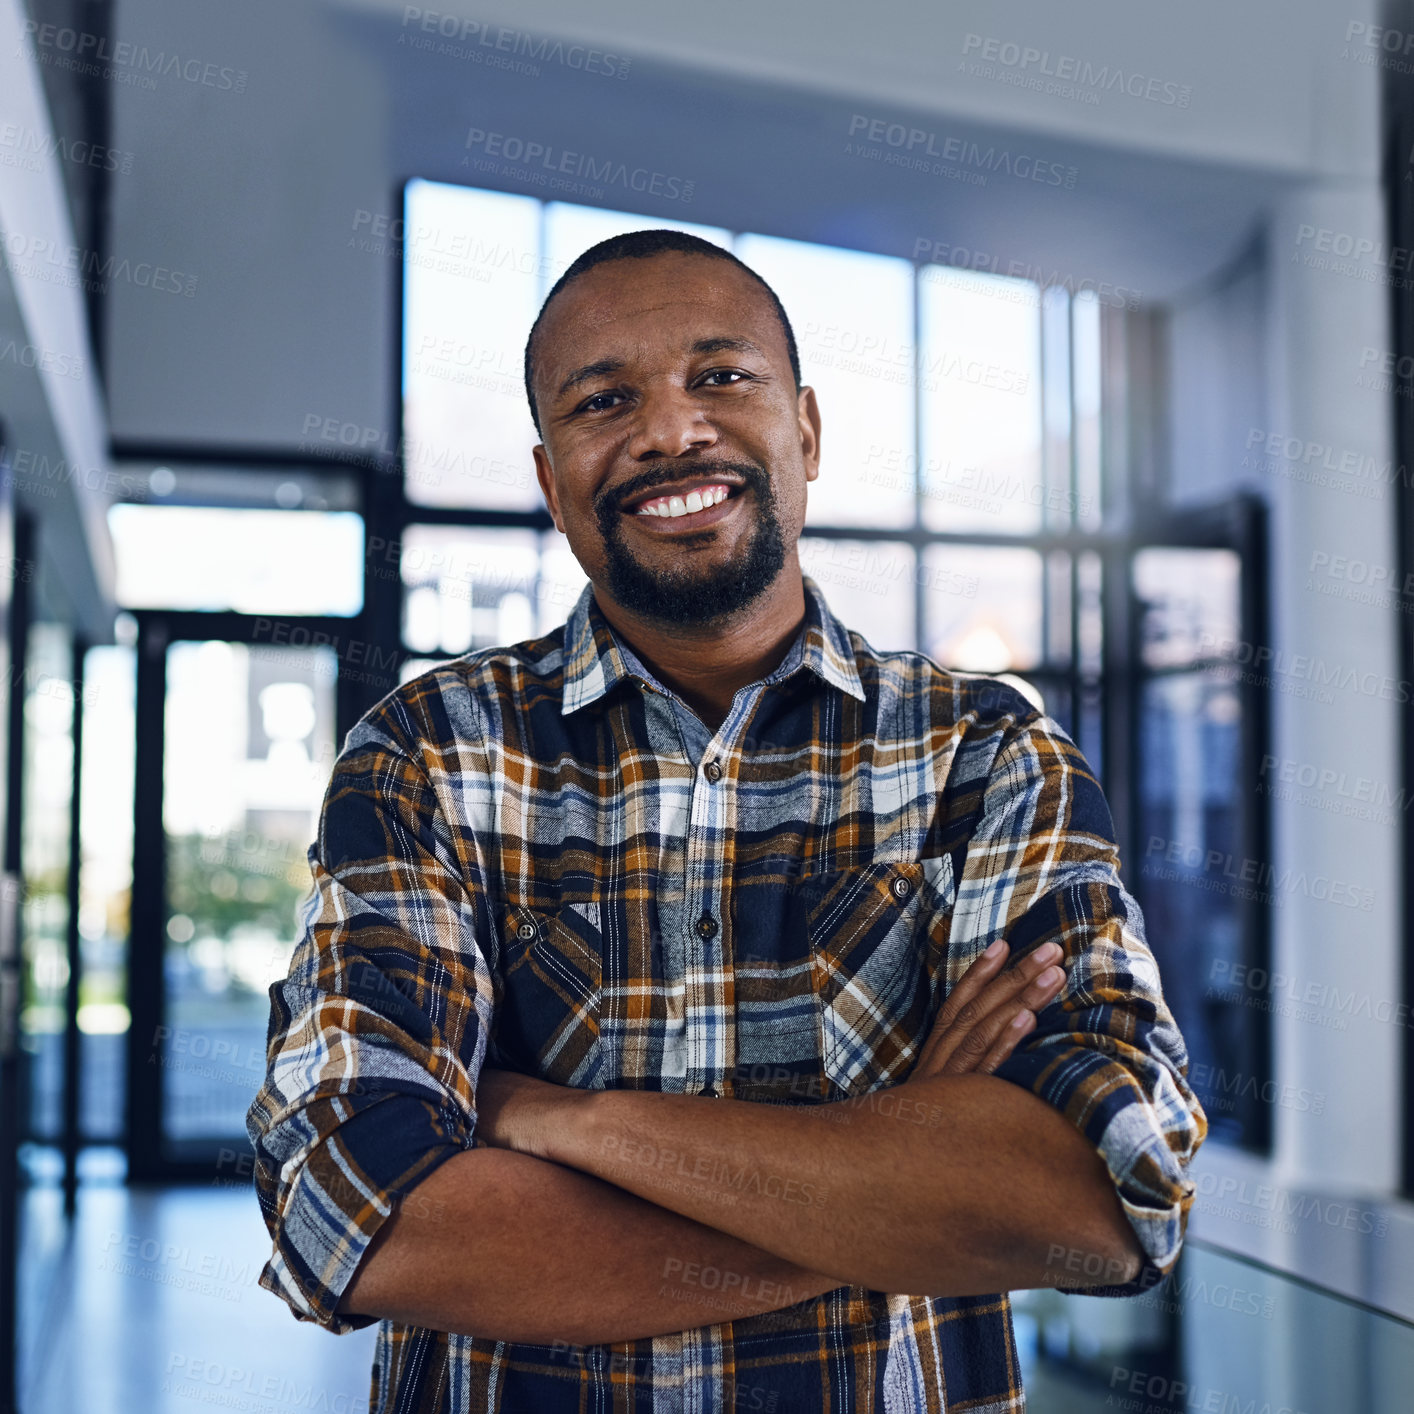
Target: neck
{"type": "Point", "coordinates": [706, 663]}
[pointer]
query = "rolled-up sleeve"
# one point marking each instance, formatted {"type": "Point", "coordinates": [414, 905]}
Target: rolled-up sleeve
{"type": "Point", "coordinates": [378, 1033]}
{"type": "Point", "coordinates": [1043, 866]}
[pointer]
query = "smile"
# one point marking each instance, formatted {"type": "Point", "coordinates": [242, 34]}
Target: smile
{"type": "Point", "coordinates": [700, 506]}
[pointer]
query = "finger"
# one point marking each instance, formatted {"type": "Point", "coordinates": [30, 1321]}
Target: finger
{"type": "Point", "coordinates": [974, 1047]}
{"type": "Point", "coordinates": [1022, 1024]}
{"type": "Point", "coordinates": [999, 992]}
{"type": "Point", "coordinates": [969, 985]}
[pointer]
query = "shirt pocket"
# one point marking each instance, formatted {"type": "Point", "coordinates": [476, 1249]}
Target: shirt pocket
{"type": "Point", "coordinates": [552, 977]}
{"type": "Point", "coordinates": [878, 947]}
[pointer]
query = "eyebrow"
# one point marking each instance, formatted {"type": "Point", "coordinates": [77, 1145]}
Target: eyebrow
{"type": "Point", "coordinates": [590, 370]}
{"type": "Point", "coordinates": [715, 343]}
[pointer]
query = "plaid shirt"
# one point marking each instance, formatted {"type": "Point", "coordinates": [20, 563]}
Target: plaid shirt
{"type": "Point", "coordinates": [506, 837]}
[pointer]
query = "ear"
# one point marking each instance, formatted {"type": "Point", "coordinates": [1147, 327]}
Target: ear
{"type": "Point", "coordinates": [808, 411]}
{"type": "Point", "coordinates": [545, 475]}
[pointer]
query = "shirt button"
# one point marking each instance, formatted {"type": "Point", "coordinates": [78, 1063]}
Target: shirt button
{"type": "Point", "coordinates": [901, 887]}
{"type": "Point", "coordinates": [706, 926]}
{"type": "Point", "coordinates": [713, 772]}
{"type": "Point", "coordinates": [526, 932]}
{"type": "Point", "coordinates": [710, 1093]}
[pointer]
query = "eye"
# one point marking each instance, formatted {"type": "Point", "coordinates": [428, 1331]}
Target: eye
{"type": "Point", "coordinates": [598, 403]}
{"type": "Point", "coordinates": [723, 373]}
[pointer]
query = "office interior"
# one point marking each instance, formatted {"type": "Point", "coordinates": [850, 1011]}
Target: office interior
{"type": "Point", "coordinates": [1109, 315]}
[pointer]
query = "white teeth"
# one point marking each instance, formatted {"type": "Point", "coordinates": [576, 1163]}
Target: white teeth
{"type": "Point", "coordinates": [697, 500]}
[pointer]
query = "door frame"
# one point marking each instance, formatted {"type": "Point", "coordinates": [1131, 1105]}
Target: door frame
{"type": "Point", "coordinates": [152, 1158]}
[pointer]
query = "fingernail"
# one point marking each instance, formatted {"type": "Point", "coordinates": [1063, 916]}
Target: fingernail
{"type": "Point", "coordinates": [996, 949]}
{"type": "Point", "coordinates": [1021, 1021]}
{"type": "Point", "coordinates": [1051, 976]}
{"type": "Point", "coordinates": [1049, 952]}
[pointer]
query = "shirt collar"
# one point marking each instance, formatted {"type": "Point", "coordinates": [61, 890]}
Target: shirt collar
{"type": "Point", "coordinates": [595, 662]}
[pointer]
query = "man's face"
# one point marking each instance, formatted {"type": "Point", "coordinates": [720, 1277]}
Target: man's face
{"type": "Point", "coordinates": [664, 385]}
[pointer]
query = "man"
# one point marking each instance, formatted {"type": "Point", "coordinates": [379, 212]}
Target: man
{"type": "Point", "coordinates": [677, 1022]}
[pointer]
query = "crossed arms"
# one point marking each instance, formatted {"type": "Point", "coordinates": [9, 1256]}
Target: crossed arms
{"type": "Point", "coordinates": [604, 1216]}
{"type": "Point", "coordinates": [597, 1213]}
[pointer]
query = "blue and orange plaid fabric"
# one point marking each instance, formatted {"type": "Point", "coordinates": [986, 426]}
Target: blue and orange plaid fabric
{"type": "Point", "coordinates": [513, 855]}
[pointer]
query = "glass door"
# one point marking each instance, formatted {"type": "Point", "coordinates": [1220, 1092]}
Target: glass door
{"type": "Point", "coordinates": [247, 742]}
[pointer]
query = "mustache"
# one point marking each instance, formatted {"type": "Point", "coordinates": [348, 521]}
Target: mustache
{"type": "Point", "coordinates": [752, 476]}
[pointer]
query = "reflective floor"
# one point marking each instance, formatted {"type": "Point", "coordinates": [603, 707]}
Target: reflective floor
{"type": "Point", "coordinates": [148, 1304]}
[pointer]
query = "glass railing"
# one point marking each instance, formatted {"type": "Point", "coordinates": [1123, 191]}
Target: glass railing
{"type": "Point", "coordinates": [1223, 1334]}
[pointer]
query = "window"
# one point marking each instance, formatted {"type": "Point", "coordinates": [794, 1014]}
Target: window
{"type": "Point", "coordinates": [946, 398]}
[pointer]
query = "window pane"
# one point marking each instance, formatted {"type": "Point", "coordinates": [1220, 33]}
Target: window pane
{"type": "Point", "coordinates": [983, 607]}
{"type": "Point", "coordinates": [467, 432]}
{"type": "Point", "coordinates": [980, 401]}
{"type": "Point", "coordinates": [467, 589]}
{"type": "Point", "coordinates": [44, 910]}
{"type": "Point", "coordinates": [1195, 886]}
{"type": "Point", "coordinates": [255, 562]}
{"type": "Point", "coordinates": [249, 747]}
{"type": "Point", "coordinates": [105, 885]}
{"type": "Point", "coordinates": [853, 320]}
{"type": "Point", "coordinates": [1086, 375]}
{"type": "Point", "coordinates": [561, 581]}
{"type": "Point", "coordinates": [870, 586]}
{"type": "Point", "coordinates": [570, 230]}
{"type": "Point", "coordinates": [1190, 604]}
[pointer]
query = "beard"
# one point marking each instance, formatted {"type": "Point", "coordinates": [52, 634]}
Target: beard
{"type": "Point", "coordinates": [686, 596]}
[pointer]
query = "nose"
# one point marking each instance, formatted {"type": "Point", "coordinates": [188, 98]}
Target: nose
{"type": "Point", "coordinates": [669, 423]}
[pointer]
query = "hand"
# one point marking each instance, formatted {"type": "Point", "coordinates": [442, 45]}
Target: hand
{"type": "Point", "coordinates": [522, 1112]}
{"type": "Point", "coordinates": [989, 1011]}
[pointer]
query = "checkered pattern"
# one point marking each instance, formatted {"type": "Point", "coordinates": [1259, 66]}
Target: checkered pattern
{"type": "Point", "coordinates": [513, 860]}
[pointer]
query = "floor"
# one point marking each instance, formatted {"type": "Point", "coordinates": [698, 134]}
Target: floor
{"type": "Point", "coordinates": [149, 1305]}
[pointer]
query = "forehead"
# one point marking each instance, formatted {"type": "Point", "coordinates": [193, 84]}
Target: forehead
{"type": "Point", "coordinates": [660, 301]}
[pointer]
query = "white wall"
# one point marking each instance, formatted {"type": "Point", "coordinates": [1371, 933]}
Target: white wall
{"type": "Point", "coordinates": [271, 196]}
{"type": "Point", "coordinates": [50, 400]}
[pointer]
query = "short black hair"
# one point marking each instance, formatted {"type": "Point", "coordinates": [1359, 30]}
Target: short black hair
{"type": "Point", "coordinates": [638, 245]}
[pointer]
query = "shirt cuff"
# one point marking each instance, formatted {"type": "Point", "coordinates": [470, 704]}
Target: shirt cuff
{"type": "Point", "coordinates": [1138, 1136]}
{"type": "Point", "coordinates": [346, 1189]}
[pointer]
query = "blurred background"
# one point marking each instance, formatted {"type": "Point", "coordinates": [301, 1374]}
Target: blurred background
{"type": "Point", "coordinates": [1109, 312]}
